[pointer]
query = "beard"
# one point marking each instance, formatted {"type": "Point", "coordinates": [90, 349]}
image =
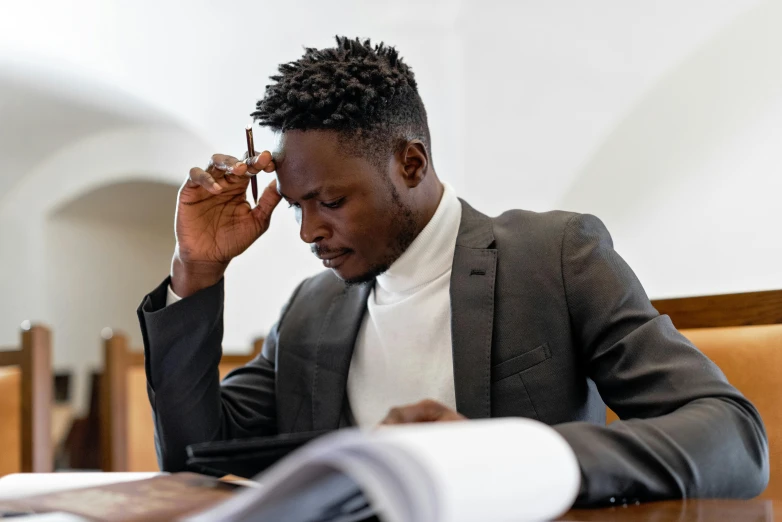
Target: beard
{"type": "Point", "coordinates": [406, 234]}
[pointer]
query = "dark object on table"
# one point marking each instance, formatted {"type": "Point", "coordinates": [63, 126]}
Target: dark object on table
{"type": "Point", "coordinates": [245, 457]}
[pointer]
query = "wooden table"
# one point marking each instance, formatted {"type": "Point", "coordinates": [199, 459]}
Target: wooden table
{"type": "Point", "coordinates": [756, 510]}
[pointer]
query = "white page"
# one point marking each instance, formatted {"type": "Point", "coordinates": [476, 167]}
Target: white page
{"type": "Point", "coordinates": [508, 469]}
{"type": "Point", "coordinates": [496, 469]}
{"type": "Point", "coordinates": [378, 469]}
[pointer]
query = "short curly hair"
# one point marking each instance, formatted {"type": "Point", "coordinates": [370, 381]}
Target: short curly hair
{"type": "Point", "coordinates": [365, 93]}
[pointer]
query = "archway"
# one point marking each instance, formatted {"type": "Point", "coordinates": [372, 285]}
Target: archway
{"type": "Point", "coordinates": [103, 251]}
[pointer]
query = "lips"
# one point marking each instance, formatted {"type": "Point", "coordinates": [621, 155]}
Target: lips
{"type": "Point", "coordinates": [331, 256]}
{"type": "Point", "coordinates": [333, 260]}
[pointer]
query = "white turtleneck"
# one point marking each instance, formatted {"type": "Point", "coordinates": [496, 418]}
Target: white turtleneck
{"type": "Point", "coordinates": [403, 350]}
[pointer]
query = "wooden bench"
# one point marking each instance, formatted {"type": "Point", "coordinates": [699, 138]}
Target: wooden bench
{"type": "Point", "coordinates": [26, 404]}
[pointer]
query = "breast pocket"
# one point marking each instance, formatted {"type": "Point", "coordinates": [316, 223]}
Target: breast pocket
{"type": "Point", "coordinates": [509, 395]}
{"type": "Point", "coordinates": [521, 362]}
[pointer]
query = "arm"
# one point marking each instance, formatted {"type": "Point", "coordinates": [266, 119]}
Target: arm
{"type": "Point", "coordinates": [182, 342]}
{"type": "Point", "coordinates": [182, 348]}
{"type": "Point", "coordinates": [685, 431]}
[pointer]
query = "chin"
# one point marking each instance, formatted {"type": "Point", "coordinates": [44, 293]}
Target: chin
{"type": "Point", "coordinates": [356, 275]}
{"type": "Point", "coordinates": [351, 278]}
{"type": "Point", "coordinates": [352, 273]}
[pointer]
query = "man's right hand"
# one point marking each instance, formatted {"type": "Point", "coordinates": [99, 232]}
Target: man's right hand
{"type": "Point", "coordinates": [214, 221]}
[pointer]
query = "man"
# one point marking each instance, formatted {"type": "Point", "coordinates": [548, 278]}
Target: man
{"type": "Point", "coordinates": [430, 310]}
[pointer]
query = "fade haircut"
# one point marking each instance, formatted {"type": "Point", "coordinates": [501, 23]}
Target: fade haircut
{"type": "Point", "coordinates": [365, 93]}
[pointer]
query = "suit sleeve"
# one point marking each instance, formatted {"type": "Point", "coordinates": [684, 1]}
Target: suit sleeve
{"type": "Point", "coordinates": [183, 348]}
{"type": "Point", "coordinates": [684, 430]}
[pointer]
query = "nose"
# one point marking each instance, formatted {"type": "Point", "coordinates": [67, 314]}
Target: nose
{"type": "Point", "coordinates": [312, 228]}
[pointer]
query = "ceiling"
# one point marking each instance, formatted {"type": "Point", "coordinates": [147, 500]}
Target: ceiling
{"type": "Point", "coordinates": [130, 204]}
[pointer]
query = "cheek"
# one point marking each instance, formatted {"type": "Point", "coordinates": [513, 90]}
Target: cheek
{"type": "Point", "coordinates": [360, 231]}
{"type": "Point", "coordinates": [354, 233]}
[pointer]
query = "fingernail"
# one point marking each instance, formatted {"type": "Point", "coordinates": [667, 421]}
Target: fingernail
{"type": "Point", "coordinates": [251, 161]}
{"type": "Point", "coordinates": [224, 166]}
{"type": "Point", "coordinates": [217, 186]}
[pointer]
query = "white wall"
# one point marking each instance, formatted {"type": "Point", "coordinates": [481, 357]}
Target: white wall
{"type": "Point", "coordinates": [587, 106]}
{"type": "Point", "coordinates": [689, 180]}
{"type": "Point", "coordinates": [97, 271]}
{"type": "Point", "coordinates": [144, 153]}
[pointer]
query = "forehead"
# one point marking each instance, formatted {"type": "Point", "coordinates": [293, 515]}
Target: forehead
{"type": "Point", "coordinates": [312, 159]}
{"type": "Point", "coordinates": [297, 149]}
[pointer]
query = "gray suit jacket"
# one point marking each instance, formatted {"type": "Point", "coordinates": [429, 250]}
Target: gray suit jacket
{"type": "Point", "coordinates": [548, 322]}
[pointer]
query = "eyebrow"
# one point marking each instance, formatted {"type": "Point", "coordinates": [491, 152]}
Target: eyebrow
{"type": "Point", "coordinates": [309, 195]}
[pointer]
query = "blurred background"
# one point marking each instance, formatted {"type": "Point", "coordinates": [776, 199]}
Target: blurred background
{"type": "Point", "coordinates": [662, 118]}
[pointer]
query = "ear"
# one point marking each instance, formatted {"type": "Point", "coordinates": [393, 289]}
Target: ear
{"type": "Point", "coordinates": [414, 162]}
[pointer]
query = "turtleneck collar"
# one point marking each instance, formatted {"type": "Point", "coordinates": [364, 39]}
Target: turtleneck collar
{"type": "Point", "coordinates": [430, 255]}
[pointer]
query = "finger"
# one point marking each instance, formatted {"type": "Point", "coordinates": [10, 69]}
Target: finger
{"type": "Point", "coordinates": [394, 416]}
{"type": "Point", "coordinates": [452, 417]}
{"type": "Point", "coordinates": [259, 162]}
{"type": "Point", "coordinates": [424, 411]}
{"type": "Point", "coordinates": [448, 415]}
{"type": "Point", "coordinates": [433, 411]}
{"type": "Point", "coordinates": [223, 163]}
{"type": "Point", "coordinates": [268, 201]}
{"type": "Point", "coordinates": [429, 410]}
{"type": "Point", "coordinates": [202, 178]}
{"type": "Point", "coordinates": [225, 166]}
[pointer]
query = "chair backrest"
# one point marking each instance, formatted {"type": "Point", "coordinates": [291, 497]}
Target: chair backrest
{"type": "Point", "coordinates": [127, 429]}
{"type": "Point", "coordinates": [742, 334]}
{"type": "Point", "coordinates": [25, 404]}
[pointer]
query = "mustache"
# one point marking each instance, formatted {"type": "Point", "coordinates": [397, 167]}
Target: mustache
{"type": "Point", "coordinates": [321, 251]}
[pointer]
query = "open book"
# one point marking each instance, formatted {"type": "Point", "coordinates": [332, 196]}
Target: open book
{"type": "Point", "coordinates": [495, 469]}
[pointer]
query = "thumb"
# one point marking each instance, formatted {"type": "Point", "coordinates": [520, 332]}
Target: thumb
{"type": "Point", "coordinates": [268, 201]}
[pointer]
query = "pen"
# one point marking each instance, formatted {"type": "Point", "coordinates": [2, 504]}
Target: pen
{"type": "Point", "coordinates": [248, 131]}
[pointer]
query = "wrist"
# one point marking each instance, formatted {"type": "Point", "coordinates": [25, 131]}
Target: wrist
{"type": "Point", "coordinates": [189, 277]}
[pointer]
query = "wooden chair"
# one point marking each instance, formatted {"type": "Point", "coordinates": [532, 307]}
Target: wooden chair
{"type": "Point", "coordinates": [26, 403]}
{"type": "Point", "coordinates": [742, 334]}
{"type": "Point", "coordinates": [127, 430]}
{"type": "Point", "coordinates": [81, 447]}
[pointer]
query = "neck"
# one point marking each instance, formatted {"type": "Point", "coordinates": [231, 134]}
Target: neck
{"type": "Point", "coordinates": [429, 200]}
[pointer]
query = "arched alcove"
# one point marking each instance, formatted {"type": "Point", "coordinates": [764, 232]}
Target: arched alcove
{"type": "Point", "coordinates": [104, 249]}
{"type": "Point", "coordinates": [64, 134]}
{"type": "Point", "coordinates": [125, 142]}
{"type": "Point", "coordinates": [90, 174]}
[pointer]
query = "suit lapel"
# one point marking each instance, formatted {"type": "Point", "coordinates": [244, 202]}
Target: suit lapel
{"type": "Point", "coordinates": [333, 354]}
{"type": "Point", "coordinates": [472, 313]}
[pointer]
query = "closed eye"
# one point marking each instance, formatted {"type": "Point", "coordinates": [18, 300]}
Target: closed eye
{"type": "Point", "coordinates": [334, 204]}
